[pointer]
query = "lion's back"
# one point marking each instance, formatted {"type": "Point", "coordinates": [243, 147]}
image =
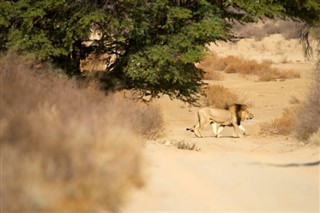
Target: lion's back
{"type": "Point", "coordinates": [215, 114]}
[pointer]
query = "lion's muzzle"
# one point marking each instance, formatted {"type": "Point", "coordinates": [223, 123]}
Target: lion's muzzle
{"type": "Point", "coordinates": [250, 116]}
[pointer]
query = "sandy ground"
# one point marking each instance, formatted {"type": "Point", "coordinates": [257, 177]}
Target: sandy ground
{"type": "Point", "coordinates": [253, 174]}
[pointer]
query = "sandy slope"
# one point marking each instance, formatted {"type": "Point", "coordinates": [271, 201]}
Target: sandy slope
{"type": "Point", "coordinates": [253, 174]}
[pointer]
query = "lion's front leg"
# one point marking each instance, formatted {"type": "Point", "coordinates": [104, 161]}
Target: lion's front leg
{"type": "Point", "coordinates": [236, 130]}
{"type": "Point", "coordinates": [242, 129]}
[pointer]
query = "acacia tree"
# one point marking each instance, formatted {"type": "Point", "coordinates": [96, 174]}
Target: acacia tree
{"type": "Point", "coordinates": [154, 43]}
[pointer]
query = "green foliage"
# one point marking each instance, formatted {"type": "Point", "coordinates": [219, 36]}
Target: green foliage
{"type": "Point", "coordinates": [154, 44]}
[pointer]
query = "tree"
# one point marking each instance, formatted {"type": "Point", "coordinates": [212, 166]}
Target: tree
{"type": "Point", "coordinates": [154, 44]}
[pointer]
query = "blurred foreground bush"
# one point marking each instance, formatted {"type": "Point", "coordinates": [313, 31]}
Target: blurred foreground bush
{"type": "Point", "coordinates": [308, 122]}
{"type": "Point", "coordinates": [65, 148]}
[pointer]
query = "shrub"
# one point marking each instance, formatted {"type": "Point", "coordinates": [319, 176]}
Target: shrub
{"type": "Point", "coordinates": [220, 97]}
{"type": "Point", "coordinates": [65, 148]}
{"type": "Point", "coordinates": [308, 121]}
{"type": "Point", "coordinates": [146, 120]}
{"type": "Point", "coordinates": [280, 126]}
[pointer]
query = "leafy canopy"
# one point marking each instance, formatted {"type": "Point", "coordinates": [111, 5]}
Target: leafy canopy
{"type": "Point", "coordinates": [152, 45]}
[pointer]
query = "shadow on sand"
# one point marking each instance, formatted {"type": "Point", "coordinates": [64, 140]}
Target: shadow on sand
{"type": "Point", "coordinates": [315, 163]}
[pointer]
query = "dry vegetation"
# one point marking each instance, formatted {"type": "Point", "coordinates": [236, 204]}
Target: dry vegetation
{"type": "Point", "coordinates": [186, 146]}
{"type": "Point", "coordinates": [220, 97]}
{"type": "Point", "coordinates": [65, 148]}
{"type": "Point", "coordinates": [264, 28]}
{"type": "Point", "coordinates": [315, 138]}
{"type": "Point", "coordinates": [303, 122]}
{"type": "Point", "coordinates": [180, 144]}
{"type": "Point", "coordinates": [308, 124]}
{"type": "Point", "coordinates": [279, 126]}
{"type": "Point", "coordinates": [231, 64]}
{"type": "Point", "coordinates": [209, 66]}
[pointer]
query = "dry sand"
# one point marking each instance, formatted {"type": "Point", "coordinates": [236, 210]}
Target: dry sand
{"type": "Point", "coordinates": [253, 174]}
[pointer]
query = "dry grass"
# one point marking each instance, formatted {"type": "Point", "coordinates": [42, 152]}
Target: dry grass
{"type": "Point", "coordinates": [304, 121]}
{"type": "Point", "coordinates": [279, 126]}
{"type": "Point", "coordinates": [220, 97]}
{"type": "Point", "coordinates": [213, 75]}
{"type": "Point", "coordinates": [315, 138]}
{"type": "Point", "coordinates": [210, 68]}
{"type": "Point", "coordinates": [65, 149]}
{"type": "Point", "coordinates": [180, 144]}
{"type": "Point", "coordinates": [231, 64]}
{"type": "Point", "coordinates": [186, 146]}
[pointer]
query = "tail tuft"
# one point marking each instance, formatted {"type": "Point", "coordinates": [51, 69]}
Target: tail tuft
{"type": "Point", "coordinates": [190, 129]}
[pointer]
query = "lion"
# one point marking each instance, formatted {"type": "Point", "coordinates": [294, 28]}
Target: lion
{"type": "Point", "coordinates": [219, 118]}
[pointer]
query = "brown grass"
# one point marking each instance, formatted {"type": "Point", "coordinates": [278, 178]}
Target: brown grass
{"type": "Point", "coordinates": [231, 64]}
{"type": "Point", "coordinates": [315, 138]}
{"type": "Point", "coordinates": [213, 75]}
{"type": "Point", "coordinates": [210, 68]}
{"type": "Point", "coordinates": [220, 97]}
{"type": "Point", "coordinates": [186, 146]}
{"type": "Point", "coordinates": [66, 149]}
{"type": "Point", "coordinates": [279, 126]}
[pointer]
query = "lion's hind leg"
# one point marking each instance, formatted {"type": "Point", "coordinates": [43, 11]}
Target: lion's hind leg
{"type": "Point", "coordinates": [201, 123]}
{"type": "Point", "coordinates": [219, 131]}
{"type": "Point", "coordinates": [216, 128]}
{"type": "Point", "coordinates": [197, 130]}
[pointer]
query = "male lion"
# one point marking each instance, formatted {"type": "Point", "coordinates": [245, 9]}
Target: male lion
{"type": "Point", "coordinates": [219, 118]}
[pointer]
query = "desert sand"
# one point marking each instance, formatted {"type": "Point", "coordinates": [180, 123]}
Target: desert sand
{"type": "Point", "coordinates": [257, 173]}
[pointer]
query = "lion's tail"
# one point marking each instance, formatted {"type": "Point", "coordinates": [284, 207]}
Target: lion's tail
{"type": "Point", "coordinates": [198, 119]}
{"type": "Point", "coordinates": [190, 129]}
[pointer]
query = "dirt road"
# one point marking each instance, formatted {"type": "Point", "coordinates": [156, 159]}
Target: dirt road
{"type": "Point", "coordinates": [253, 174]}
{"type": "Point", "coordinates": [186, 181]}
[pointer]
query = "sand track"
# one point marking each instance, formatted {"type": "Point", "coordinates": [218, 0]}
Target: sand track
{"type": "Point", "coordinates": [254, 174]}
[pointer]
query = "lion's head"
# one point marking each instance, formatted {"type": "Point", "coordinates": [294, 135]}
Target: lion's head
{"type": "Point", "coordinates": [241, 111]}
{"type": "Point", "coordinates": [245, 114]}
